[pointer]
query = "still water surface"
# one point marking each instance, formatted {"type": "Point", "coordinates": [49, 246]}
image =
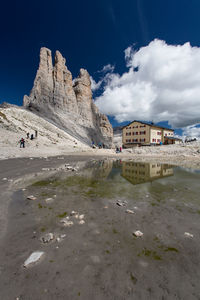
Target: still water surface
{"type": "Point", "coordinates": [101, 259]}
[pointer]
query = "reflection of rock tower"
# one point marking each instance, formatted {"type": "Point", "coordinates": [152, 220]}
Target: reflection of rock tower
{"type": "Point", "coordinates": [68, 103]}
{"type": "Point", "coordinates": [143, 172]}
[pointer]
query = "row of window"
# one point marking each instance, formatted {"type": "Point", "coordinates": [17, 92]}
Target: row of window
{"type": "Point", "coordinates": [154, 140]}
{"type": "Point", "coordinates": [136, 126]}
{"type": "Point", "coordinates": [135, 133]}
{"type": "Point", "coordinates": [135, 140]}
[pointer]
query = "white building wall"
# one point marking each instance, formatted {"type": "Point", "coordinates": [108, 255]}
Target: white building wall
{"type": "Point", "coordinates": [168, 133]}
{"type": "Point", "coordinates": [155, 138]}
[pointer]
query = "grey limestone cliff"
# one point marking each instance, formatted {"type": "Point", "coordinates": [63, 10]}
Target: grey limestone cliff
{"type": "Point", "coordinates": [66, 102]}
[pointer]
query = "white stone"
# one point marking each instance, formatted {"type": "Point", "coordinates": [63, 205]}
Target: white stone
{"type": "Point", "coordinates": [33, 258]}
{"type": "Point", "coordinates": [129, 211]}
{"type": "Point", "coordinates": [187, 234]}
{"type": "Point", "coordinates": [81, 222]}
{"type": "Point", "coordinates": [47, 237]}
{"type": "Point", "coordinates": [4, 178]}
{"type": "Point", "coordinates": [73, 213]}
{"type": "Point", "coordinates": [66, 222]}
{"type": "Point", "coordinates": [81, 217]}
{"type": "Point", "coordinates": [49, 200]}
{"type": "Point", "coordinates": [138, 233]}
{"type": "Point", "coordinates": [31, 197]}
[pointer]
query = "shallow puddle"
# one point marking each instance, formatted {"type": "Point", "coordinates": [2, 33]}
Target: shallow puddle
{"type": "Point", "coordinates": [101, 258]}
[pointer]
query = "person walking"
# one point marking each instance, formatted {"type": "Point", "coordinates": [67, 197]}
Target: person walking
{"type": "Point", "coordinates": [27, 135]}
{"type": "Point", "coordinates": [22, 143]}
{"type": "Point", "coordinates": [36, 133]}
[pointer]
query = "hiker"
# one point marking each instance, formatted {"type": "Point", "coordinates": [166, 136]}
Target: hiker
{"type": "Point", "coordinates": [120, 149]}
{"type": "Point", "coordinates": [36, 133]}
{"type": "Point", "coordinates": [32, 137]}
{"type": "Point", "coordinates": [100, 146]}
{"type": "Point", "coordinates": [22, 143]}
{"type": "Point", "coordinates": [27, 135]}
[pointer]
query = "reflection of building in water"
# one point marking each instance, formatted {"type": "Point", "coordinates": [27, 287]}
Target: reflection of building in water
{"type": "Point", "coordinates": [143, 172]}
{"type": "Point", "coordinates": [99, 169]}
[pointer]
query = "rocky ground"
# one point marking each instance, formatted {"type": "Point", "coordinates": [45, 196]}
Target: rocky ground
{"type": "Point", "coordinates": [15, 122]}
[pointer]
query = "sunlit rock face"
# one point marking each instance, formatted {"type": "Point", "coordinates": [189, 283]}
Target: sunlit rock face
{"type": "Point", "coordinates": [67, 102]}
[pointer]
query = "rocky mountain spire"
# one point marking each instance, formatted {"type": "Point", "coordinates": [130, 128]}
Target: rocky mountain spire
{"type": "Point", "coordinates": [68, 103]}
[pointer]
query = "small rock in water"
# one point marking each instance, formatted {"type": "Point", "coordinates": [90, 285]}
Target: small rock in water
{"type": "Point", "coordinates": [4, 178]}
{"type": "Point", "coordinates": [66, 222]}
{"type": "Point", "coordinates": [33, 258]}
{"type": "Point", "coordinates": [76, 216]}
{"type": "Point", "coordinates": [187, 234]}
{"type": "Point", "coordinates": [73, 213]}
{"type": "Point", "coordinates": [119, 203]}
{"type": "Point", "coordinates": [81, 222]}
{"type": "Point", "coordinates": [49, 200]}
{"type": "Point", "coordinates": [129, 211]}
{"type": "Point", "coordinates": [81, 217]}
{"type": "Point", "coordinates": [30, 158]}
{"type": "Point", "coordinates": [63, 236]}
{"type": "Point", "coordinates": [23, 190]}
{"type": "Point", "coordinates": [47, 237]}
{"type": "Point", "coordinates": [138, 233]}
{"type": "Point", "coordinates": [31, 197]}
{"type": "Point", "coordinates": [69, 168]}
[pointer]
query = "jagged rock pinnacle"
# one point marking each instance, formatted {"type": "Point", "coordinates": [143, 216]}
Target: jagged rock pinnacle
{"type": "Point", "coordinates": [68, 103]}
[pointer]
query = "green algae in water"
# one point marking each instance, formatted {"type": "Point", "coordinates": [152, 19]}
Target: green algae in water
{"type": "Point", "coordinates": [171, 249]}
{"type": "Point", "coordinates": [150, 253]}
{"type": "Point", "coordinates": [133, 278]}
{"type": "Point", "coordinates": [40, 206]}
{"type": "Point", "coordinates": [62, 215]}
{"type": "Point", "coordinates": [41, 183]}
{"type": "Point", "coordinates": [43, 229]}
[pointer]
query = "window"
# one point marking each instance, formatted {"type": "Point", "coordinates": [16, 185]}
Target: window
{"type": "Point", "coordinates": [158, 140]}
{"type": "Point", "coordinates": [165, 134]}
{"type": "Point", "coordinates": [158, 133]}
{"type": "Point", "coordinates": [142, 140]}
{"type": "Point", "coordinates": [153, 140]}
{"type": "Point", "coordinates": [136, 133]}
{"type": "Point", "coordinates": [141, 126]}
{"type": "Point", "coordinates": [142, 132]}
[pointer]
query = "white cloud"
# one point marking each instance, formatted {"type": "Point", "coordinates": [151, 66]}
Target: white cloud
{"type": "Point", "coordinates": [108, 68]}
{"type": "Point", "coordinates": [166, 86]}
{"type": "Point", "coordinates": [192, 131]}
{"type": "Point", "coordinates": [95, 85]}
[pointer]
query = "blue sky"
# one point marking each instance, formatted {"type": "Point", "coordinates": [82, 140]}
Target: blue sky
{"type": "Point", "coordinates": [92, 34]}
